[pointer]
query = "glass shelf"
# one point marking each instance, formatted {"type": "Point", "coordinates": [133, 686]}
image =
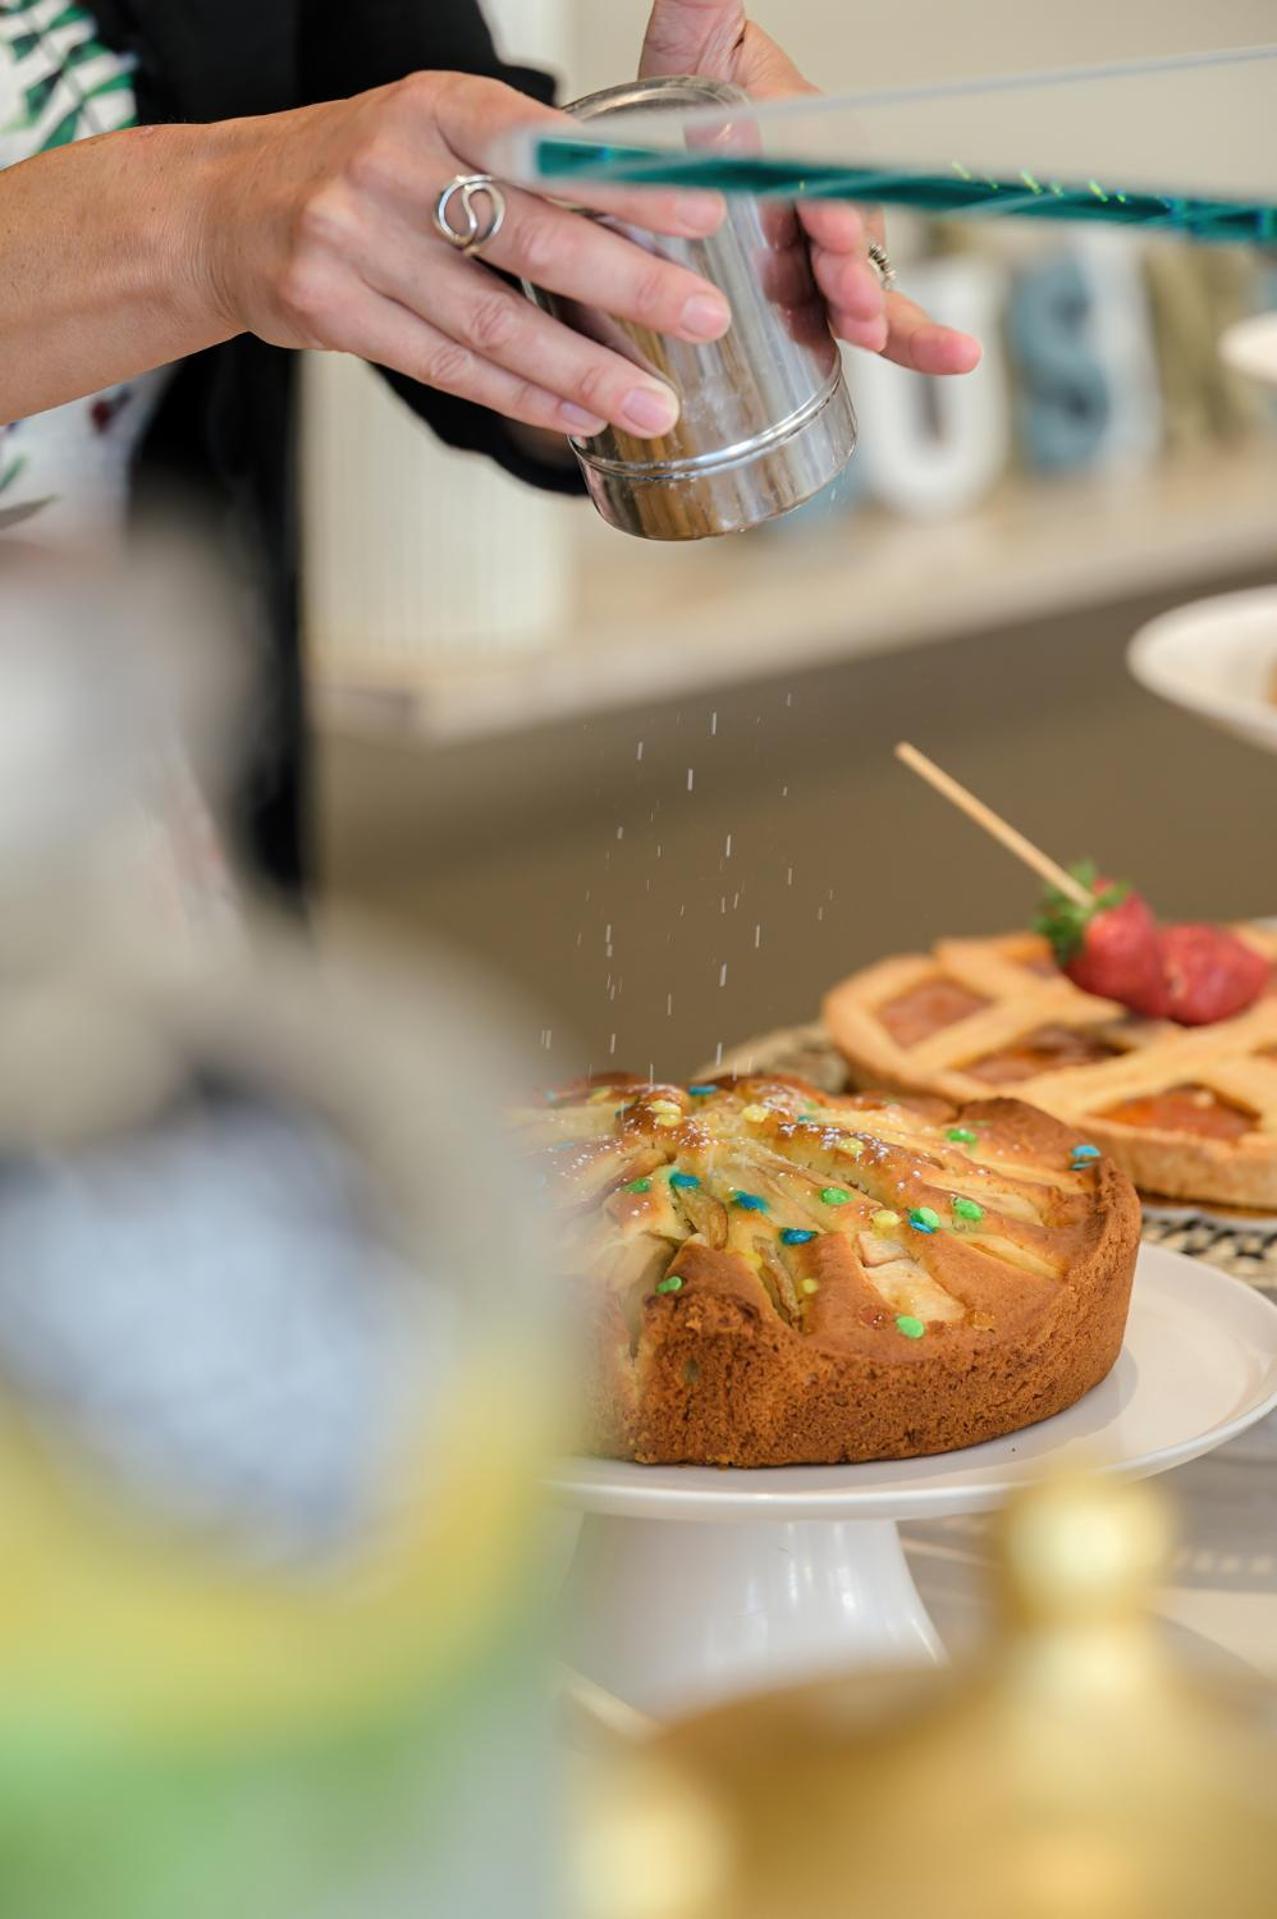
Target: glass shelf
{"type": "Point", "coordinates": [1184, 145]}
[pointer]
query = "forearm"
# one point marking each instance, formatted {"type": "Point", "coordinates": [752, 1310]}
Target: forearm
{"type": "Point", "coordinates": [103, 249]}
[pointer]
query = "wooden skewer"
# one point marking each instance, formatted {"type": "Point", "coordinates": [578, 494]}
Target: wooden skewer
{"type": "Point", "coordinates": [993, 824]}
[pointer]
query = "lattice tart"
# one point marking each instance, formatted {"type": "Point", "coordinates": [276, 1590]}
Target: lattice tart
{"type": "Point", "coordinates": [774, 1276]}
{"type": "Point", "coordinates": [1190, 1112]}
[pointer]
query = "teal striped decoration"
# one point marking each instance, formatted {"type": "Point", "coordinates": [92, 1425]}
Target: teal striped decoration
{"type": "Point", "coordinates": [958, 192]}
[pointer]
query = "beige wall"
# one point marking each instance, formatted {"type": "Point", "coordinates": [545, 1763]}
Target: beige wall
{"type": "Point", "coordinates": [850, 45]}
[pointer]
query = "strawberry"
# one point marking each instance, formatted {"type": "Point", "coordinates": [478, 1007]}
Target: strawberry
{"type": "Point", "coordinates": [1210, 974]}
{"type": "Point", "coordinates": [1110, 948]}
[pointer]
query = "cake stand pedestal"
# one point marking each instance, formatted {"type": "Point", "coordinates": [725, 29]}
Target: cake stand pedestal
{"type": "Point", "coordinates": [691, 1585]}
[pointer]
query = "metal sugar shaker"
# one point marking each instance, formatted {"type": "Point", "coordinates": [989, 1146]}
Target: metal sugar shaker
{"type": "Point", "coordinates": [766, 418]}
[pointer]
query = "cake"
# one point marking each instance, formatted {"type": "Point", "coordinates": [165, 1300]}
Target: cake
{"type": "Point", "coordinates": [769, 1275]}
{"type": "Point", "coordinates": [1188, 1112]}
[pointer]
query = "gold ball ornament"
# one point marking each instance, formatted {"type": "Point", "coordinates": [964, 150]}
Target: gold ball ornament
{"type": "Point", "coordinates": [1076, 1771]}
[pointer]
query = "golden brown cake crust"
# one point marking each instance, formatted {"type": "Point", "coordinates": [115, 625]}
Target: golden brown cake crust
{"type": "Point", "coordinates": [774, 1276]}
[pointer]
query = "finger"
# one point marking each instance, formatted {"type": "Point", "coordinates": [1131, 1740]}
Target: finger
{"type": "Point", "coordinates": [850, 283]}
{"type": "Point", "coordinates": [477, 119]}
{"type": "Point", "coordinates": [834, 224]}
{"type": "Point", "coordinates": [478, 311]}
{"type": "Point", "coordinates": [565, 253]}
{"type": "Point", "coordinates": [693, 36]}
{"type": "Point", "coordinates": [917, 341]}
{"type": "Point", "coordinates": [388, 334]}
{"type": "Point", "coordinates": [871, 335]}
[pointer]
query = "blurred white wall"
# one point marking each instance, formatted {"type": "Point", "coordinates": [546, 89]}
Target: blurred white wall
{"type": "Point", "coordinates": [411, 550]}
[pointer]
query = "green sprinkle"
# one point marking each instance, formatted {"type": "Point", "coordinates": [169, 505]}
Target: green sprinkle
{"type": "Point", "coordinates": [963, 173]}
{"type": "Point", "coordinates": [639, 1186]}
{"type": "Point", "coordinates": [924, 1220]}
{"type": "Point", "coordinates": [1030, 182]}
{"type": "Point", "coordinates": [749, 1202]}
{"type": "Point", "coordinates": [810, 1286]}
{"type": "Point", "coordinates": [961, 1135]}
{"type": "Point", "coordinates": [1098, 191]}
{"type": "Point", "coordinates": [702, 1091]}
{"type": "Point", "coordinates": [885, 1222]}
{"type": "Point", "coordinates": [911, 1328]}
{"type": "Point", "coordinates": [796, 1235]}
{"type": "Point", "coordinates": [835, 1196]}
{"type": "Point", "coordinates": [687, 1180]}
{"type": "Point", "coordinates": [967, 1209]}
{"type": "Point", "coordinates": [673, 1284]}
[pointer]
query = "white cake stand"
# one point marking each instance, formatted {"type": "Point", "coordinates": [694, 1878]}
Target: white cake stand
{"type": "Point", "coordinates": [692, 1585]}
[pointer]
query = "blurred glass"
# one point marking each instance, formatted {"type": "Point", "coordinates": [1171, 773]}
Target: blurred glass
{"type": "Point", "coordinates": [273, 1378]}
{"type": "Point", "coordinates": [1174, 144]}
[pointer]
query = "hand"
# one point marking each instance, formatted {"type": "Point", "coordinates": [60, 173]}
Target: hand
{"type": "Point", "coordinates": [714, 38]}
{"type": "Point", "coordinates": [319, 233]}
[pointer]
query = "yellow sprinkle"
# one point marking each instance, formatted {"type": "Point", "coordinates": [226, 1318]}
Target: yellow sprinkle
{"type": "Point", "coordinates": [810, 1286]}
{"type": "Point", "coordinates": [885, 1222]}
{"type": "Point", "coordinates": [756, 1114]}
{"type": "Point", "coordinates": [601, 1093]}
{"type": "Point", "coordinates": [668, 1119]}
{"type": "Point", "coordinates": [853, 1148]}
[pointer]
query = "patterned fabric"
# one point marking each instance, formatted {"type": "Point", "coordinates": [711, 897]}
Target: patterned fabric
{"type": "Point", "coordinates": [66, 469]}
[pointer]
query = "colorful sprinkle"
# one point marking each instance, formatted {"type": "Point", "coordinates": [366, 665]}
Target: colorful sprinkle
{"type": "Point", "coordinates": [961, 1135]}
{"type": "Point", "coordinates": [885, 1222]}
{"type": "Point", "coordinates": [756, 1114]}
{"type": "Point", "coordinates": [796, 1235]}
{"type": "Point", "coordinates": [835, 1196]}
{"type": "Point", "coordinates": [853, 1148]}
{"type": "Point", "coordinates": [702, 1091]}
{"type": "Point", "coordinates": [911, 1328]}
{"type": "Point", "coordinates": [749, 1202]}
{"type": "Point", "coordinates": [924, 1220]}
{"type": "Point", "coordinates": [687, 1180]}
{"type": "Point", "coordinates": [967, 1209]}
{"type": "Point", "coordinates": [639, 1186]}
{"type": "Point", "coordinates": [1084, 1153]}
{"type": "Point", "coordinates": [809, 1286]}
{"type": "Point", "coordinates": [673, 1284]}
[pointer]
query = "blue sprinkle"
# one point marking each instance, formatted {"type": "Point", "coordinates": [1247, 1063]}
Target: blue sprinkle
{"type": "Point", "coordinates": [1083, 1153]}
{"type": "Point", "coordinates": [795, 1235]}
{"type": "Point", "coordinates": [703, 1092]}
{"type": "Point", "coordinates": [684, 1179]}
{"type": "Point", "coordinates": [749, 1202]}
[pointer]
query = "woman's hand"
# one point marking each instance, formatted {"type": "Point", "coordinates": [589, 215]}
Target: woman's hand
{"type": "Point", "coordinates": [320, 233]}
{"type": "Point", "coordinates": [715, 38]}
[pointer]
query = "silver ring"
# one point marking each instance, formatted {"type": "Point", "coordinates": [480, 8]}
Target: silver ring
{"type": "Point", "coordinates": [880, 259]}
{"type": "Point", "coordinates": [479, 227]}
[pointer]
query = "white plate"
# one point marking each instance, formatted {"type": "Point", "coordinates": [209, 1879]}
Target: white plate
{"type": "Point", "coordinates": [1199, 1366]}
{"type": "Point", "coordinates": [1216, 658]}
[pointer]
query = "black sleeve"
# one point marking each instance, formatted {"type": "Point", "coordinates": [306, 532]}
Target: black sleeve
{"type": "Point", "coordinates": [348, 46]}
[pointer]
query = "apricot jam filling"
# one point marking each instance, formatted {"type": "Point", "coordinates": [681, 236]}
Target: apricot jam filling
{"type": "Point", "coordinates": [1185, 1109]}
{"type": "Point", "coordinates": [928, 1008]}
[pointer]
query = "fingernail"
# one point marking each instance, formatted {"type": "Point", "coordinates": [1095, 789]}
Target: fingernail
{"type": "Point", "coordinates": [650, 409]}
{"type": "Point", "coordinates": [702, 212]}
{"type": "Point", "coordinates": [706, 316]}
{"type": "Point", "coordinates": [580, 421]}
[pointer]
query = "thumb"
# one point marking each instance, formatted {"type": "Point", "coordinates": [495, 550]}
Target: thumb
{"type": "Point", "coordinates": [693, 36]}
